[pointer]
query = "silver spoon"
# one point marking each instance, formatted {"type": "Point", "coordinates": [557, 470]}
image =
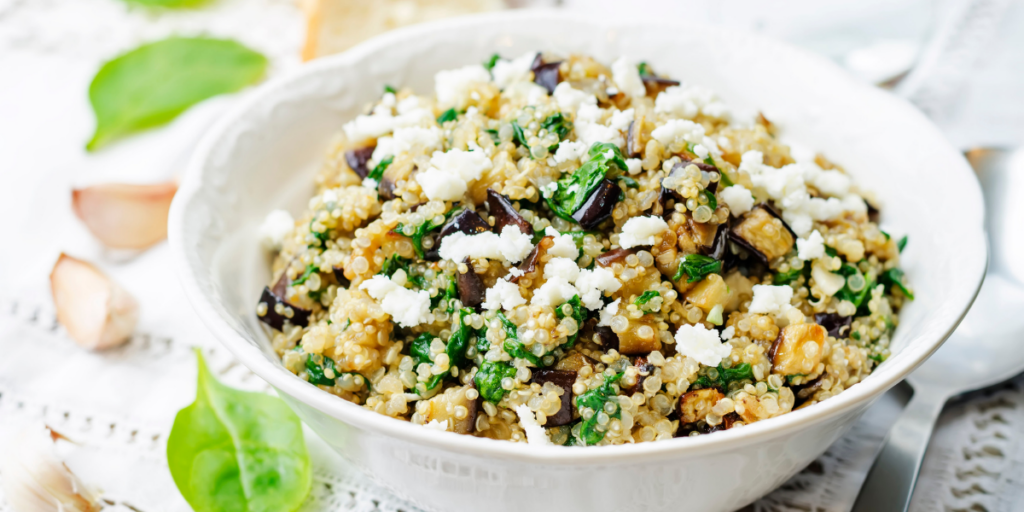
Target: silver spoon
{"type": "Point", "coordinates": [987, 347]}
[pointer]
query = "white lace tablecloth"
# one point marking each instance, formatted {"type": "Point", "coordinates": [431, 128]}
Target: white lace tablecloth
{"type": "Point", "coordinates": [119, 404]}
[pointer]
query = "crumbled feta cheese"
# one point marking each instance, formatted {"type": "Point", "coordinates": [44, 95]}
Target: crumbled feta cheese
{"type": "Point", "coordinates": [633, 165]}
{"type": "Point", "coordinates": [678, 130]}
{"type": "Point", "coordinates": [701, 344]}
{"type": "Point", "coordinates": [275, 228]}
{"type": "Point", "coordinates": [506, 72]}
{"type": "Point", "coordinates": [554, 291]}
{"type": "Point", "coordinates": [771, 299]}
{"type": "Point", "coordinates": [453, 85]}
{"type": "Point", "coordinates": [564, 246]}
{"type": "Point", "coordinates": [512, 245]}
{"type": "Point", "coordinates": [826, 281]}
{"type": "Point", "coordinates": [535, 434]}
{"type": "Point", "coordinates": [591, 284]}
{"type": "Point", "coordinates": [811, 248]}
{"type": "Point", "coordinates": [589, 113]}
{"type": "Point", "coordinates": [569, 99]}
{"type": "Point", "coordinates": [688, 101]}
{"type": "Point", "coordinates": [621, 120]}
{"type": "Point", "coordinates": [570, 151]}
{"type": "Point", "coordinates": [439, 185]}
{"type": "Point", "coordinates": [627, 78]}
{"type": "Point", "coordinates": [592, 133]}
{"type": "Point", "coordinates": [738, 199]}
{"type": "Point", "coordinates": [728, 333]}
{"type": "Point", "coordinates": [388, 99]}
{"type": "Point", "coordinates": [700, 151]}
{"type": "Point", "coordinates": [368, 127]}
{"type": "Point", "coordinates": [526, 93]}
{"type": "Point", "coordinates": [370, 183]}
{"type": "Point", "coordinates": [468, 165]}
{"type": "Point", "coordinates": [608, 313]}
{"type": "Point", "coordinates": [407, 307]}
{"type": "Point", "coordinates": [437, 425]}
{"type": "Point", "coordinates": [641, 231]}
{"type": "Point", "coordinates": [831, 182]}
{"type": "Point", "coordinates": [561, 267]}
{"type": "Point", "coordinates": [549, 190]}
{"type": "Point", "coordinates": [516, 272]}
{"type": "Point", "coordinates": [414, 140]}
{"type": "Point", "coordinates": [503, 295]}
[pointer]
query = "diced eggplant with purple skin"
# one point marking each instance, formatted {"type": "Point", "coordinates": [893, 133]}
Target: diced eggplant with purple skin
{"type": "Point", "coordinates": [751, 233]}
{"type": "Point", "coordinates": [599, 205]}
{"type": "Point", "coordinates": [300, 317]}
{"type": "Point", "coordinates": [874, 214]}
{"type": "Point", "coordinates": [720, 244]}
{"type": "Point", "coordinates": [656, 84]}
{"type": "Point", "coordinates": [280, 287]}
{"type": "Point", "coordinates": [386, 187]}
{"type": "Point", "coordinates": [614, 256]}
{"type": "Point", "coordinates": [505, 214]}
{"type": "Point", "coordinates": [467, 221]}
{"type": "Point", "coordinates": [529, 265]}
{"type": "Point", "coordinates": [339, 275]}
{"type": "Point", "coordinates": [644, 368]}
{"type": "Point", "coordinates": [563, 379]}
{"type": "Point", "coordinates": [694, 406]}
{"type": "Point", "coordinates": [837, 326]}
{"type": "Point", "coordinates": [357, 160]}
{"type": "Point", "coordinates": [633, 140]}
{"type": "Point", "coordinates": [798, 349]}
{"type": "Point", "coordinates": [606, 337]}
{"type": "Point", "coordinates": [546, 74]}
{"type": "Point", "coordinates": [471, 287]}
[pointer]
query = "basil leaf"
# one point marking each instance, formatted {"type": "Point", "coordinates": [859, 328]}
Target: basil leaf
{"type": "Point", "coordinates": [448, 115]}
{"type": "Point", "coordinates": [572, 191]}
{"type": "Point", "coordinates": [378, 172]}
{"type": "Point", "coordinates": [155, 82]}
{"type": "Point", "coordinates": [488, 379]}
{"type": "Point", "coordinates": [697, 267]}
{"type": "Point", "coordinates": [595, 400]}
{"type": "Point", "coordinates": [233, 450]}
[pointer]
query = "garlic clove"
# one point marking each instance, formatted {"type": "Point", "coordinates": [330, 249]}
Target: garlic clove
{"type": "Point", "coordinates": [125, 216]}
{"type": "Point", "coordinates": [96, 311]}
{"type": "Point", "coordinates": [36, 480]}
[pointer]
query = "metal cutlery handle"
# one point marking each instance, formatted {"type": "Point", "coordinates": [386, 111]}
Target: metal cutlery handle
{"type": "Point", "coordinates": [890, 483]}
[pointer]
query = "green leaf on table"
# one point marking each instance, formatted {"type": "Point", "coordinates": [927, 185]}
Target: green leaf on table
{"type": "Point", "coordinates": [234, 450]}
{"type": "Point", "coordinates": [152, 84]}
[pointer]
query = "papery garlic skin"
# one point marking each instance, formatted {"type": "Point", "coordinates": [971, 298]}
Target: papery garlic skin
{"type": "Point", "coordinates": [36, 480]}
{"type": "Point", "coordinates": [95, 310]}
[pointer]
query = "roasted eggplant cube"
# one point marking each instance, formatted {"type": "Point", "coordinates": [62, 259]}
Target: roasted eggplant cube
{"type": "Point", "coordinates": [710, 292]}
{"type": "Point", "coordinates": [614, 256]}
{"type": "Point", "coordinates": [529, 265]}
{"type": "Point", "coordinates": [644, 369]}
{"type": "Point", "coordinates": [640, 337]}
{"type": "Point", "coordinates": [505, 214]}
{"type": "Point", "coordinates": [764, 233]}
{"type": "Point", "coordinates": [357, 160]}
{"type": "Point", "coordinates": [471, 287]}
{"type": "Point", "coordinates": [545, 74]}
{"type": "Point", "coordinates": [837, 326]}
{"type": "Point", "coordinates": [798, 349]}
{"type": "Point", "coordinates": [599, 205]}
{"type": "Point", "coordinates": [467, 221]}
{"type": "Point", "coordinates": [574, 361]}
{"type": "Point", "coordinates": [694, 406]}
{"type": "Point", "coordinates": [452, 407]}
{"type": "Point", "coordinates": [288, 313]}
{"type": "Point", "coordinates": [606, 337]}
{"type": "Point", "coordinates": [563, 379]}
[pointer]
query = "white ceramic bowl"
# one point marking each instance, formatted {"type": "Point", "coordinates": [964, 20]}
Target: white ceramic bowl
{"type": "Point", "coordinates": [263, 155]}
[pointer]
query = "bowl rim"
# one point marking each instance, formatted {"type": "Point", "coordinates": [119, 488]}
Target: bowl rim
{"type": "Point", "coordinates": [291, 385]}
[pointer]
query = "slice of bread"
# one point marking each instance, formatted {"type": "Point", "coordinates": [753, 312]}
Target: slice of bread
{"type": "Point", "coordinates": [336, 25]}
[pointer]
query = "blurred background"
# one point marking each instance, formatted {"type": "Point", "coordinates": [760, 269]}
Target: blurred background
{"type": "Point", "coordinates": [959, 61]}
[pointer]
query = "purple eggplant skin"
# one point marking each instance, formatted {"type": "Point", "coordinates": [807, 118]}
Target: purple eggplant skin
{"type": "Point", "coordinates": [645, 368]}
{"type": "Point", "coordinates": [563, 379]}
{"type": "Point", "coordinates": [775, 213]}
{"type": "Point", "coordinates": [655, 84]}
{"type": "Point", "coordinates": [836, 325]}
{"type": "Point", "coordinates": [632, 141]}
{"type": "Point", "coordinates": [467, 221]}
{"type": "Point", "coordinates": [736, 239]}
{"type": "Point", "coordinates": [280, 287]}
{"type": "Point", "coordinates": [546, 74]}
{"type": "Point", "coordinates": [300, 317]}
{"type": "Point", "coordinates": [599, 205]}
{"type": "Point", "coordinates": [471, 287]}
{"type": "Point", "coordinates": [606, 337]}
{"type": "Point", "coordinates": [339, 274]}
{"type": "Point", "coordinates": [358, 158]}
{"type": "Point", "coordinates": [505, 214]}
{"type": "Point", "coordinates": [708, 168]}
{"type": "Point", "coordinates": [874, 214]}
{"type": "Point", "coordinates": [529, 265]}
{"type": "Point", "coordinates": [721, 243]}
{"type": "Point", "coordinates": [615, 255]}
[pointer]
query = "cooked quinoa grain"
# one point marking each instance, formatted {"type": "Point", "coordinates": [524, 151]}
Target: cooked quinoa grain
{"type": "Point", "coordinates": [553, 251]}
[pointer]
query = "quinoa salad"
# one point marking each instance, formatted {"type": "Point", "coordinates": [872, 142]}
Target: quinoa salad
{"type": "Point", "coordinates": [556, 251]}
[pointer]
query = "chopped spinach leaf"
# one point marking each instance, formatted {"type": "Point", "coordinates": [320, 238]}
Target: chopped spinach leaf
{"type": "Point", "coordinates": [781, 278]}
{"type": "Point", "coordinates": [595, 400]}
{"type": "Point", "coordinates": [459, 340]}
{"type": "Point", "coordinates": [489, 63]}
{"type": "Point", "coordinates": [832, 253]}
{"type": "Point", "coordinates": [643, 69]}
{"type": "Point", "coordinates": [726, 376]}
{"type": "Point", "coordinates": [578, 313]}
{"type": "Point", "coordinates": [488, 379]}
{"type": "Point", "coordinates": [321, 237]}
{"type": "Point", "coordinates": [448, 115]}
{"type": "Point", "coordinates": [878, 358]}
{"type": "Point", "coordinates": [388, 88]}
{"type": "Point", "coordinates": [791, 378]}
{"type": "Point", "coordinates": [347, 323]}
{"type": "Point", "coordinates": [644, 298]}
{"type": "Point", "coordinates": [902, 243]}
{"type": "Point", "coordinates": [518, 136]}
{"type": "Point", "coordinates": [894, 277]}
{"type": "Point", "coordinates": [393, 264]}
{"type": "Point", "coordinates": [420, 352]}
{"type": "Point", "coordinates": [572, 191]}
{"type": "Point", "coordinates": [378, 172]}
{"type": "Point", "coordinates": [697, 267]}
{"type": "Point", "coordinates": [887, 235]}
{"type": "Point", "coordinates": [557, 123]}
{"type": "Point", "coordinates": [512, 345]}
{"type": "Point", "coordinates": [724, 178]}
{"type": "Point", "coordinates": [712, 200]}
{"type": "Point", "coordinates": [630, 182]}
{"type": "Point", "coordinates": [494, 135]}
{"type": "Point", "coordinates": [310, 268]}
{"type": "Point", "coordinates": [417, 236]}
{"type": "Point", "coordinates": [317, 368]}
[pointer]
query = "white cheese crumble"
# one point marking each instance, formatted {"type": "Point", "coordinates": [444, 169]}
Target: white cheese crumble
{"type": "Point", "coordinates": [367, 127]}
{"type": "Point", "coordinates": [516, 272]}
{"type": "Point", "coordinates": [512, 245]}
{"type": "Point", "coordinates": [771, 299]}
{"type": "Point", "coordinates": [728, 333]}
{"type": "Point", "coordinates": [564, 246]}
{"type": "Point", "coordinates": [593, 133]}
{"type": "Point", "coordinates": [562, 267]}
{"type": "Point", "coordinates": [609, 312]}
{"type": "Point", "coordinates": [455, 84]}
{"type": "Point", "coordinates": [407, 307]}
{"type": "Point", "coordinates": [441, 186]}
{"type": "Point", "coordinates": [621, 120]}
{"type": "Point", "coordinates": [738, 199]}
{"type": "Point", "coordinates": [679, 130]}
{"type": "Point", "coordinates": [503, 295]}
{"type": "Point", "coordinates": [811, 248]}
{"type": "Point", "coordinates": [506, 72]}
{"type": "Point", "coordinates": [633, 165]}
{"type": "Point", "coordinates": [569, 99]}
{"type": "Point", "coordinates": [701, 344]}
{"type": "Point", "coordinates": [437, 425]}
{"type": "Point", "coordinates": [641, 231]}
{"type": "Point", "coordinates": [688, 101]}
{"type": "Point", "coordinates": [555, 291]}
{"type": "Point", "coordinates": [449, 174]}
{"type": "Point", "coordinates": [275, 228]}
{"type": "Point", "coordinates": [627, 78]}
{"type": "Point", "coordinates": [591, 284]}
{"type": "Point", "coordinates": [535, 434]}
{"type": "Point", "coordinates": [570, 151]}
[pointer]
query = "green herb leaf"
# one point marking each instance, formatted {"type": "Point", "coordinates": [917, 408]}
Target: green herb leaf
{"type": "Point", "coordinates": [378, 172]}
{"type": "Point", "coordinates": [712, 200]}
{"type": "Point", "coordinates": [512, 345]}
{"type": "Point", "coordinates": [697, 267]}
{"type": "Point", "coordinates": [388, 88]}
{"type": "Point", "coordinates": [902, 243]}
{"type": "Point", "coordinates": [448, 115]}
{"type": "Point", "coordinates": [646, 297]}
{"type": "Point", "coordinates": [726, 376]}
{"type": "Point", "coordinates": [317, 368]}
{"type": "Point", "coordinates": [724, 178]}
{"type": "Point", "coordinates": [420, 352]}
{"type": "Point", "coordinates": [393, 264]}
{"type": "Point", "coordinates": [488, 379]}
{"type": "Point", "coordinates": [421, 231]}
{"type": "Point", "coordinates": [630, 182]}
{"type": "Point", "coordinates": [310, 269]}
{"type": "Point", "coordinates": [643, 69]}
{"type": "Point", "coordinates": [894, 277]}
{"type": "Point", "coordinates": [578, 312]}
{"type": "Point", "coordinates": [782, 278]}
{"type": "Point", "coordinates": [557, 123]}
{"type": "Point", "coordinates": [233, 450]}
{"type": "Point", "coordinates": [489, 63]}
{"type": "Point", "coordinates": [572, 191]}
{"type": "Point", "coordinates": [518, 136]}
{"type": "Point", "coordinates": [321, 237]}
{"type": "Point", "coordinates": [155, 82]}
{"type": "Point", "coordinates": [595, 399]}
